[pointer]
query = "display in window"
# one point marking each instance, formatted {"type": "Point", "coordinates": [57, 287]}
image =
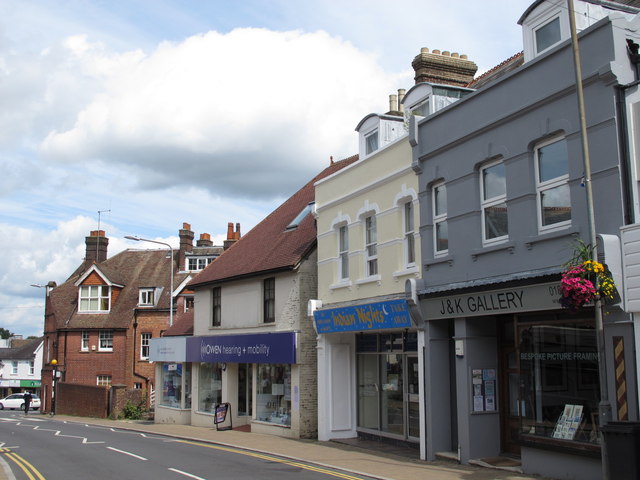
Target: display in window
{"type": "Point", "coordinates": [209, 387]}
{"type": "Point", "coordinates": [274, 394]}
{"type": "Point", "coordinates": [171, 385]}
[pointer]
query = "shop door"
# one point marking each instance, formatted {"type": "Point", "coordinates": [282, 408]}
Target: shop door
{"type": "Point", "coordinates": [412, 404]}
{"type": "Point", "coordinates": [509, 400]}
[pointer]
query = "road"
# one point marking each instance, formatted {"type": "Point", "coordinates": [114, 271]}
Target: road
{"type": "Point", "coordinates": [39, 447]}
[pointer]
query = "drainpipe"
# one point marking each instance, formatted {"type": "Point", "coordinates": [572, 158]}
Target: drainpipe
{"type": "Point", "coordinates": [133, 357]}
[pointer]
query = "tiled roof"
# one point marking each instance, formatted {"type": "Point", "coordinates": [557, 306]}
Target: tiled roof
{"type": "Point", "coordinates": [499, 70]}
{"type": "Point", "coordinates": [24, 351]}
{"type": "Point", "coordinates": [182, 326]}
{"type": "Point", "coordinates": [131, 268]}
{"type": "Point", "coordinates": [269, 246]}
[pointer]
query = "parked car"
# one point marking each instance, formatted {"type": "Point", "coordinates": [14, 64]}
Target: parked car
{"type": "Point", "coordinates": [16, 400]}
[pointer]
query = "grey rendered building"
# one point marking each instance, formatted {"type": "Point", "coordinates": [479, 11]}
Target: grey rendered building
{"type": "Point", "coordinates": [502, 206]}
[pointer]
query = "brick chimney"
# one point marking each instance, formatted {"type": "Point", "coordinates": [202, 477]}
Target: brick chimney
{"type": "Point", "coordinates": [205, 240]}
{"type": "Point", "coordinates": [232, 236]}
{"type": "Point", "coordinates": [97, 245]}
{"type": "Point", "coordinates": [186, 245]}
{"type": "Point", "coordinates": [443, 68]}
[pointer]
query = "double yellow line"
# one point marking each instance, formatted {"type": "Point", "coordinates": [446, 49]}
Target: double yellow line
{"type": "Point", "coordinates": [29, 470]}
{"type": "Point", "coordinates": [271, 458]}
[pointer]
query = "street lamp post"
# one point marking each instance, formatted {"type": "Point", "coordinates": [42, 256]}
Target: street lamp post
{"type": "Point", "coordinates": [54, 383]}
{"type": "Point", "coordinates": [138, 239]}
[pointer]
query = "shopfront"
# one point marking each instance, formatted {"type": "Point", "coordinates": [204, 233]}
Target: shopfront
{"type": "Point", "coordinates": [524, 376]}
{"type": "Point", "coordinates": [173, 386]}
{"type": "Point", "coordinates": [256, 374]}
{"type": "Point", "coordinates": [370, 368]}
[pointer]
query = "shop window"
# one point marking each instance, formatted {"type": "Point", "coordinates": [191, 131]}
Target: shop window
{"type": "Point", "coordinates": [552, 187]}
{"type": "Point", "coordinates": [559, 383]}
{"type": "Point", "coordinates": [171, 385]}
{"type": "Point", "coordinates": [493, 186]}
{"type": "Point", "coordinates": [209, 387]}
{"type": "Point", "coordinates": [274, 394]}
{"type": "Point", "coordinates": [440, 230]}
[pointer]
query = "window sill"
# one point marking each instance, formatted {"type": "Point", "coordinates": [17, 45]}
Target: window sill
{"type": "Point", "coordinates": [543, 237]}
{"type": "Point", "coordinates": [413, 270]}
{"type": "Point", "coordinates": [510, 246]}
{"type": "Point", "coordinates": [437, 260]}
{"type": "Point", "coordinates": [371, 279]}
{"type": "Point", "coordinates": [341, 284]}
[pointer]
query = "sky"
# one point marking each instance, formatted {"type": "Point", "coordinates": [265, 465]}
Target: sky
{"type": "Point", "coordinates": [134, 116]}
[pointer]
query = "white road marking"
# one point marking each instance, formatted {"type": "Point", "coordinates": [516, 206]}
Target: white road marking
{"type": "Point", "coordinates": [186, 474]}
{"type": "Point", "coordinates": [127, 453]}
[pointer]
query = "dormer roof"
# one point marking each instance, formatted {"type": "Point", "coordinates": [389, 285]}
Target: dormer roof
{"type": "Point", "coordinates": [129, 270]}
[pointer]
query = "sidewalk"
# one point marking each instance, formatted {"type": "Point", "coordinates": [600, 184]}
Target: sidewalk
{"type": "Point", "coordinates": [352, 459]}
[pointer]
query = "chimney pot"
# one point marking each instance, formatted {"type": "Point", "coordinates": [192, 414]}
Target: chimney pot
{"type": "Point", "coordinates": [463, 57]}
{"type": "Point", "coordinates": [424, 50]}
{"type": "Point", "coordinates": [237, 235]}
{"type": "Point", "coordinates": [186, 226]}
{"type": "Point", "coordinates": [446, 53]}
{"type": "Point", "coordinates": [393, 103]}
{"type": "Point", "coordinates": [401, 94]}
{"type": "Point", "coordinates": [436, 52]}
{"type": "Point", "coordinates": [455, 55]}
{"type": "Point", "coordinates": [230, 231]}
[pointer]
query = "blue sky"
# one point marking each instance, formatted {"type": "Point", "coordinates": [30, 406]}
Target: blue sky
{"type": "Point", "coordinates": [160, 112]}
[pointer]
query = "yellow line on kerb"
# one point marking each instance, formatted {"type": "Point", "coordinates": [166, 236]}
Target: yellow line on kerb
{"type": "Point", "coordinates": [26, 467]}
{"type": "Point", "coordinates": [276, 459]}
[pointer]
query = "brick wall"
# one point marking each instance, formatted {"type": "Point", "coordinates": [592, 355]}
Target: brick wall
{"type": "Point", "coordinates": [307, 353]}
{"type": "Point", "coordinates": [82, 400]}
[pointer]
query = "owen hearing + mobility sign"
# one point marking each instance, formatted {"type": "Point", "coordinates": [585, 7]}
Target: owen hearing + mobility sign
{"type": "Point", "coordinates": [372, 316]}
{"type": "Point", "coordinates": [277, 347]}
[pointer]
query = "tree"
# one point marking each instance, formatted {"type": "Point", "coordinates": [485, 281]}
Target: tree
{"type": "Point", "coordinates": [4, 333]}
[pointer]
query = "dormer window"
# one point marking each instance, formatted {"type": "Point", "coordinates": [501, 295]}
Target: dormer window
{"type": "Point", "coordinates": [199, 263]}
{"type": "Point", "coordinates": [371, 142]}
{"type": "Point", "coordinates": [95, 298]}
{"type": "Point", "coordinates": [421, 109]}
{"type": "Point", "coordinates": [547, 35]}
{"type": "Point", "coordinates": [301, 216]}
{"type": "Point", "coordinates": [147, 297]}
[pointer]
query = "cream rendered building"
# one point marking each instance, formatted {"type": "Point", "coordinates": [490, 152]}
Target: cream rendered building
{"type": "Point", "coordinates": [370, 337]}
{"type": "Point", "coordinates": [368, 362]}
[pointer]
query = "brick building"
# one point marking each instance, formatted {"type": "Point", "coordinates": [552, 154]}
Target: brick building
{"type": "Point", "coordinates": [100, 321]}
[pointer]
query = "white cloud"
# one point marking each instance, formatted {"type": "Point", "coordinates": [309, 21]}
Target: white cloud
{"type": "Point", "coordinates": [218, 110]}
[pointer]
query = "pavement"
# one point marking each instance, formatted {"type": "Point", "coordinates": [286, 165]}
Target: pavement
{"type": "Point", "coordinates": [381, 462]}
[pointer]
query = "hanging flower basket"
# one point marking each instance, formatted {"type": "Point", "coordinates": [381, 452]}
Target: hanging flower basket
{"type": "Point", "coordinates": [585, 280]}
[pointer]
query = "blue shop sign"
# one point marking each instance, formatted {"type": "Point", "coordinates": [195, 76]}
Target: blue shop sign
{"type": "Point", "coordinates": [277, 347]}
{"type": "Point", "coordinates": [372, 316]}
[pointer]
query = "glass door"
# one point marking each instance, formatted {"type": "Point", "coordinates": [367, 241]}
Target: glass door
{"type": "Point", "coordinates": [412, 397]}
{"type": "Point", "coordinates": [393, 419]}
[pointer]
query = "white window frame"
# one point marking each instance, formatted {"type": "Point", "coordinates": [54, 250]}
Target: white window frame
{"type": "Point", "coordinates": [196, 264]}
{"type": "Point", "coordinates": [32, 367]}
{"type": "Point", "coordinates": [147, 297]}
{"type": "Point", "coordinates": [542, 25]}
{"type": "Point", "coordinates": [371, 245]}
{"type": "Point", "coordinates": [188, 300]}
{"type": "Point", "coordinates": [373, 133]}
{"type": "Point", "coordinates": [84, 341]}
{"type": "Point", "coordinates": [409, 227]}
{"type": "Point", "coordinates": [216, 307]}
{"type": "Point", "coordinates": [439, 217]}
{"type": "Point", "coordinates": [103, 380]}
{"type": "Point", "coordinates": [105, 341]}
{"type": "Point", "coordinates": [343, 252]}
{"type": "Point", "coordinates": [89, 293]}
{"type": "Point", "coordinates": [14, 367]}
{"type": "Point", "coordinates": [145, 345]}
{"type": "Point", "coordinates": [491, 202]}
{"type": "Point", "coordinates": [543, 186]}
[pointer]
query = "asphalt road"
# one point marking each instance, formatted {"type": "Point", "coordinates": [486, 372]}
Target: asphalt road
{"type": "Point", "coordinates": [40, 447]}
